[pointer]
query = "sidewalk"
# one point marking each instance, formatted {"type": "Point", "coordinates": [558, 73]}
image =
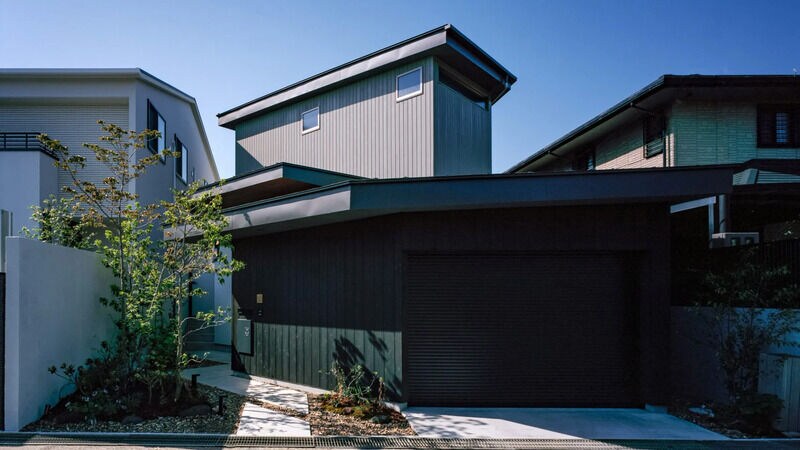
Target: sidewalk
{"type": "Point", "coordinates": [256, 420]}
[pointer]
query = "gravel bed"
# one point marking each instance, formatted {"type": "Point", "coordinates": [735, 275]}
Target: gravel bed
{"type": "Point", "coordinates": [214, 423]}
{"type": "Point", "coordinates": [326, 423]}
{"type": "Point", "coordinates": [323, 423]}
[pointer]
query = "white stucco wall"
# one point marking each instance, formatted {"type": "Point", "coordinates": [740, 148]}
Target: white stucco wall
{"type": "Point", "coordinates": [53, 316]}
{"type": "Point", "coordinates": [26, 178]}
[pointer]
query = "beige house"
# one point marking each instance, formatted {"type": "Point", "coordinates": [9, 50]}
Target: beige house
{"type": "Point", "coordinates": [691, 120]}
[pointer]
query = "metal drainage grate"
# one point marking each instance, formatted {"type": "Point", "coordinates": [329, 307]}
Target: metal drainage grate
{"type": "Point", "coordinates": [401, 442]}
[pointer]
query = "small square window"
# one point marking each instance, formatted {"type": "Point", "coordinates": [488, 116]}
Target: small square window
{"type": "Point", "coordinates": [409, 84]}
{"type": "Point", "coordinates": [585, 161]}
{"type": "Point", "coordinates": [778, 126]}
{"type": "Point", "coordinates": [310, 120]}
{"type": "Point", "coordinates": [655, 131]}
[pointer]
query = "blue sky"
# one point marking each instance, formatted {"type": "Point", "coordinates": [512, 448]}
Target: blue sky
{"type": "Point", "coordinates": [573, 59]}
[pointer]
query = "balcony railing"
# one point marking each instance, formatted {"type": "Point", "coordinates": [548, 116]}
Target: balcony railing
{"type": "Point", "coordinates": [23, 141]}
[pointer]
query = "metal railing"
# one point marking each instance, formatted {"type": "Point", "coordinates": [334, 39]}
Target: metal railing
{"type": "Point", "coordinates": [23, 141]}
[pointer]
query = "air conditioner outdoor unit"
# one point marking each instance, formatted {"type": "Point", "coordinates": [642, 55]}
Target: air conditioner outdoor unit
{"type": "Point", "coordinates": [733, 239]}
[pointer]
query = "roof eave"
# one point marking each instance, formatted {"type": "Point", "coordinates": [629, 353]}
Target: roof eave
{"type": "Point", "coordinates": [419, 46]}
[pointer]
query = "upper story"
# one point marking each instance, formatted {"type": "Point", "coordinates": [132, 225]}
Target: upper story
{"type": "Point", "coordinates": [67, 103]}
{"type": "Point", "coordinates": [684, 120]}
{"type": "Point", "coordinates": [421, 107]}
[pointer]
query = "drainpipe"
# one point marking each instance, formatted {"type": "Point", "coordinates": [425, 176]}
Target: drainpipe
{"type": "Point", "coordinates": [724, 214]}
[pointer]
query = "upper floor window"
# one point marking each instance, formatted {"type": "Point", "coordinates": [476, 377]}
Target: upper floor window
{"type": "Point", "coordinates": [409, 84]}
{"type": "Point", "coordinates": [157, 123]}
{"type": "Point", "coordinates": [655, 132]}
{"type": "Point", "coordinates": [779, 126]}
{"type": "Point", "coordinates": [586, 161]}
{"type": "Point", "coordinates": [310, 120]}
{"type": "Point", "coordinates": [181, 160]}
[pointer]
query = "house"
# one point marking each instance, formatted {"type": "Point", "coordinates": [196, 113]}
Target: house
{"type": "Point", "coordinates": [421, 107]}
{"type": "Point", "coordinates": [66, 104]}
{"type": "Point", "coordinates": [686, 120]}
{"type": "Point", "coordinates": [374, 234]}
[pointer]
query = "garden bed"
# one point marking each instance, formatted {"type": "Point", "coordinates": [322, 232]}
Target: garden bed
{"type": "Point", "coordinates": [324, 420]}
{"type": "Point", "coordinates": [58, 420]}
{"type": "Point", "coordinates": [723, 421]}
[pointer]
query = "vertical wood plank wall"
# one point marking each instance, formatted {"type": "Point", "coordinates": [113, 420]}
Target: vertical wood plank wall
{"type": "Point", "coordinates": [336, 292]}
{"type": "Point", "coordinates": [363, 130]}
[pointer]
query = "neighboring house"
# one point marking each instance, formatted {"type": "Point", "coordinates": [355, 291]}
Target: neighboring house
{"type": "Point", "coordinates": [687, 120]}
{"type": "Point", "coordinates": [421, 107]}
{"type": "Point", "coordinates": [374, 234]}
{"type": "Point", "coordinates": [66, 104]}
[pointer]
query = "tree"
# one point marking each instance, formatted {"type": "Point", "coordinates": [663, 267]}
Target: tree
{"type": "Point", "coordinates": [154, 278]}
{"type": "Point", "coordinates": [751, 307]}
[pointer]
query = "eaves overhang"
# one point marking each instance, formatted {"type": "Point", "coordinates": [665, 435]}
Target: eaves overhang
{"type": "Point", "coordinates": [273, 181]}
{"type": "Point", "coordinates": [445, 42]}
{"type": "Point", "coordinates": [661, 92]}
{"type": "Point", "coordinates": [352, 200]}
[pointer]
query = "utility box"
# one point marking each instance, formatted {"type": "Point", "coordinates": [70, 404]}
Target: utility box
{"type": "Point", "coordinates": [244, 336]}
{"type": "Point", "coordinates": [734, 239]}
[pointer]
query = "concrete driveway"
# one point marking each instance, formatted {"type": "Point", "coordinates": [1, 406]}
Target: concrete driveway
{"type": "Point", "coordinates": [552, 423]}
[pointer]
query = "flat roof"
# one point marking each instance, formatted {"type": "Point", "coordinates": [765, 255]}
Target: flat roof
{"type": "Point", "coordinates": [273, 181]}
{"type": "Point", "coordinates": [663, 90]}
{"type": "Point", "coordinates": [444, 41]}
{"type": "Point", "coordinates": [134, 73]}
{"type": "Point", "coordinates": [358, 199]}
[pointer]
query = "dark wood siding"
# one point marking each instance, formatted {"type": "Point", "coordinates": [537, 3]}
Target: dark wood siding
{"type": "Point", "coordinates": [336, 292]}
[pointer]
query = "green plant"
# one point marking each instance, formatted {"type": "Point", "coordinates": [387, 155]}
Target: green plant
{"type": "Point", "coordinates": [750, 307]}
{"type": "Point", "coordinates": [154, 277]}
{"type": "Point", "coordinates": [356, 385]}
{"type": "Point", "coordinates": [57, 224]}
{"type": "Point", "coordinates": [759, 411]}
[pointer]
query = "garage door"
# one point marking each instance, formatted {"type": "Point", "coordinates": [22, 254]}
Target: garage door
{"type": "Point", "coordinates": [520, 330]}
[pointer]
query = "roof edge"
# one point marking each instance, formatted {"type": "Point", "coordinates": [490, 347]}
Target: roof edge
{"type": "Point", "coordinates": [132, 73]}
{"type": "Point", "coordinates": [448, 30]}
{"type": "Point", "coordinates": [665, 81]}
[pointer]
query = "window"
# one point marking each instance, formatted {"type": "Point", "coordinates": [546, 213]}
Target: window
{"type": "Point", "coordinates": [310, 120]}
{"type": "Point", "coordinates": [585, 161]}
{"type": "Point", "coordinates": [779, 126]}
{"type": "Point", "coordinates": [451, 82]}
{"type": "Point", "coordinates": [409, 84]}
{"type": "Point", "coordinates": [157, 123]}
{"type": "Point", "coordinates": [182, 160]}
{"type": "Point", "coordinates": [654, 133]}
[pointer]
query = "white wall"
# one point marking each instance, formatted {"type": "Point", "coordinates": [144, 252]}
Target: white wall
{"type": "Point", "coordinates": [52, 316]}
{"type": "Point", "coordinates": [26, 178]}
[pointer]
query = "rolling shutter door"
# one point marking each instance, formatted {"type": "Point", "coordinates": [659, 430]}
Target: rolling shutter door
{"type": "Point", "coordinates": [539, 329]}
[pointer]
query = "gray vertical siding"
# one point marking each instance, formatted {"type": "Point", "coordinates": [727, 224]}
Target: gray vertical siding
{"type": "Point", "coordinates": [363, 130]}
{"type": "Point", "coordinates": [72, 124]}
{"type": "Point", "coordinates": [463, 134]}
{"type": "Point", "coordinates": [336, 292]}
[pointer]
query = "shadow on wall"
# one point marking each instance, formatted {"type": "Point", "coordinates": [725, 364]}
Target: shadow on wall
{"type": "Point", "coordinates": [348, 355]}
